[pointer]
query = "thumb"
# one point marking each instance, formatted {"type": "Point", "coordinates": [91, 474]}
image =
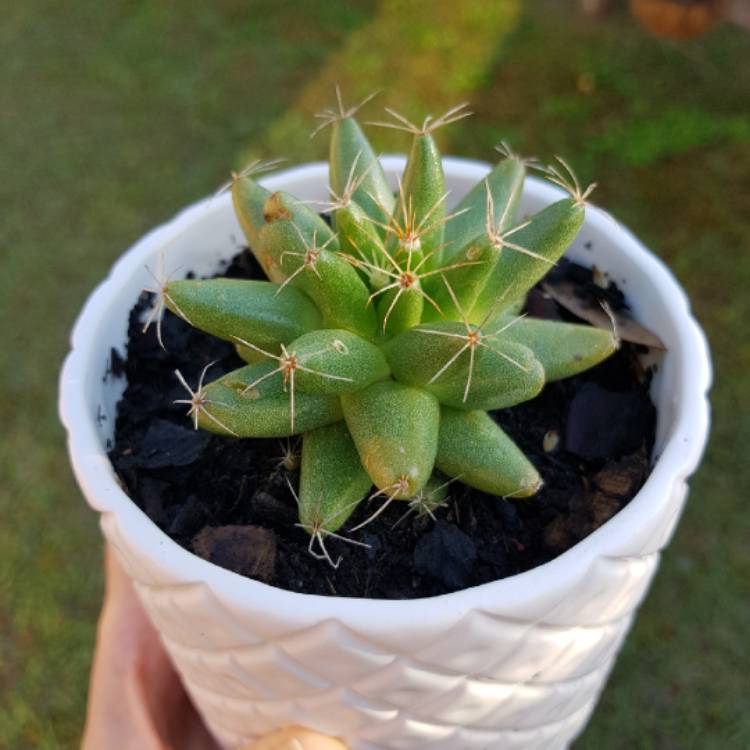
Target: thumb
{"type": "Point", "coordinates": [297, 738]}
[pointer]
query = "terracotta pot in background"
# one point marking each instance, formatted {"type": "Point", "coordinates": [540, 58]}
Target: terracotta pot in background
{"type": "Point", "coordinates": [678, 19]}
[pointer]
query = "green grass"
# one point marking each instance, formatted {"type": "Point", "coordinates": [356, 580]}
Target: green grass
{"type": "Point", "coordinates": [117, 114]}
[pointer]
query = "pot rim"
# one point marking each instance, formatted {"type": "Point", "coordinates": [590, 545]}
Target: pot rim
{"type": "Point", "coordinates": [679, 458]}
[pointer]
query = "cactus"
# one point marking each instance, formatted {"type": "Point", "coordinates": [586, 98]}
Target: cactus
{"type": "Point", "coordinates": [384, 338]}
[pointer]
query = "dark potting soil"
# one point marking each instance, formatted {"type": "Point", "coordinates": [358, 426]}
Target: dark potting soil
{"type": "Point", "coordinates": [228, 501]}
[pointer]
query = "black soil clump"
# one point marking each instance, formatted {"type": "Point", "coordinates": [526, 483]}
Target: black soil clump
{"type": "Point", "coordinates": [228, 500]}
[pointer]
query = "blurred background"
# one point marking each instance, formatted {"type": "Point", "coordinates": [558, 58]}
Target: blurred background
{"type": "Point", "coordinates": [114, 115]}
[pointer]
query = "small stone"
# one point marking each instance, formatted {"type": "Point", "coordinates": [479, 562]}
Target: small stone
{"type": "Point", "coordinates": [601, 508]}
{"type": "Point", "coordinates": [272, 510]}
{"type": "Point", "coordinates": [510, 519]}
{"type": "Point", "coordinates": [556, 535]}
{"type": "Point", "coordinates": [550, 441]}
{"type": "Point", "coordinates": [605, 424]}
{"type": "Point", "coordinates": [541, 305]}
{"type": "Point", "coordinates": [620, 478]}
{"type": "Point", "coordinates": [599, 278]}
{"type": "Point", "coordinates": [447, 554]}
{"type": "Point", "coordinates": [116, 363]}
{"type": "Point", "coordinates": [578, 520]}
{"type": "Point", "coordinates": [166, 444]}
{"type": "Point", "coordinates": [189, 518]}
{"type": "Point", "coordinates": [248, 550]}
{"type": "Point", "coordinates": [151, 493]}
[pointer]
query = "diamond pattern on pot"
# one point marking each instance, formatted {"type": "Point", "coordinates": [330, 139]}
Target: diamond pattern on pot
{"type": "Point", "coordinates": [187, 612]}
{"type": "Point", "coordinates": [334, 679]}
{"type": "Point", "coordinates": [335, 712]}
{"type": "Point", "coordinates": [403, 685]}
{"type": "Point", "coordinates": [264, 673]}
{"type": "Point", "coordinates": [336, 652]}
{"type": "Point", "coordinates": [487, 681]}
{"type": "Point", "coordinates": [486, 705]}
{"type": "Point", "coordinates": [512, 651]}
{"type": "Point", "coordinates": [405, 733]}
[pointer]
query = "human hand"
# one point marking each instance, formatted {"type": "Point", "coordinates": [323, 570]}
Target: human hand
{"type": "Point", "coordinates": [136, 699]}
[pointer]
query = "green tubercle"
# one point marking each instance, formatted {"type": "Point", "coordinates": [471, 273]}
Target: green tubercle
{"type": "Point", "coordinates": [336, 361]}
{"type": "Point", "coordinates": [464, 367]}
{"type": "Point", "coordinates": [255, 401]}
{"type": "Point", "coordinates": [564, 349]}
{"type": "Point", "coordinates": [352, 159]}
{"type": "Point", "coordinates": [358, 236]}
{"type": "Point", "coordinates": [472, 447]}
{"type": "Point", "coordinates": [471, 238]}
{"type": "Point", "coordinates": [303, 247]}
{"type": "Point", "coordinates": [529, 251]}
{"type": "Point", "coordinates": [494, 200]}
{"type": "Point", "coordinates": [249, 198]}
{"type": "Point", "coordinates": [289, 227]}
{"type": "Point", "coordinates": [473, 267]}
{"type": "Point", "coordinates": [395, 429]}
{"type": "Point", "coordinates": [421, 207]}
{"type": "Point", "coordinates": [332, 480]}
{"type": "Point", "coordinates": [401, 308]}
{"type": "Point", "coordinates": [253, 310]}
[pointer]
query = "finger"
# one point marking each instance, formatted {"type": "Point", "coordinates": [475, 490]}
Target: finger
{"type": "Point", "coordinates": [297, 738]}
{"type": "Point", "coordinates": [135, 697]}
{"type": "Point", "coordinates": [115, 711]}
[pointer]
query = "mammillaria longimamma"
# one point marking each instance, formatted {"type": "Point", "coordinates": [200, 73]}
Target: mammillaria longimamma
{"type": "Point", "coordinates": [385, 338]}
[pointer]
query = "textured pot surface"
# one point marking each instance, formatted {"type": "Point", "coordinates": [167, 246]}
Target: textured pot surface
{"type": "Point", "coordinates": [517, 663]}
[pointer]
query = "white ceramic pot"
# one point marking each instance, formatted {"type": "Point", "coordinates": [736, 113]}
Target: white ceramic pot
{"type": "Point", "coordinates": [518, 663]}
